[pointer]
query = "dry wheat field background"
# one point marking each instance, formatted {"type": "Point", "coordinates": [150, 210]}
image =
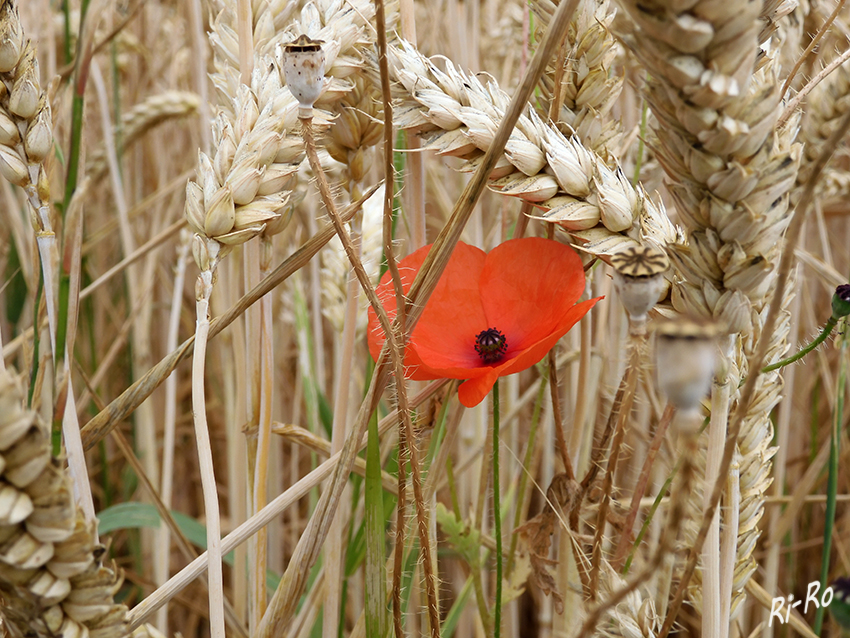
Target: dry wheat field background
{"type": "Point", "coordinates": [472, 318]}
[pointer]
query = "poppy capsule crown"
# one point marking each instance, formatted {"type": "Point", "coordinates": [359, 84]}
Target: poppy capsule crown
{"type": "Point", "coordinates": [639, 279]}
{"type": "Point", "coordinates": [304, 72]}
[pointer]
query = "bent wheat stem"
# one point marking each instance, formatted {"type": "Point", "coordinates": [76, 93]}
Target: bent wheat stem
{"type": "Point", "coordinates": [202, 438]}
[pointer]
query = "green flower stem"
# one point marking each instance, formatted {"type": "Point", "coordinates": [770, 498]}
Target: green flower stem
{"type": "Point", "coordinates": [827, 329]}
{"type": "Point", "coordinates": [497, 515]}
{"type": "Point", "coordinates": [832, 479]}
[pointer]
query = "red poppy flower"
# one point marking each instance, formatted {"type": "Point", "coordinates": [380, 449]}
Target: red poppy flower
{"type": "Point", "coordinates": [491, 314]}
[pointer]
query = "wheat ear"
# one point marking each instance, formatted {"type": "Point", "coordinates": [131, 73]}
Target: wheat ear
{"type": "Point", "coordinates": [587, 90]}
{"type": "Point", "coordinates": [730, 173]}
{"type": "Point", "coordinates": [458, 116]}
{"type": "Point", "coordinates": [51, 574]}
{"type": "Point", "coordinates": [25, 143]}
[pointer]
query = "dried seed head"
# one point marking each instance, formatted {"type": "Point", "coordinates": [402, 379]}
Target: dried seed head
{"type": "Point", "coordinates": [639, 278]}
{"type": "Point", "coordinates": [685, 359]}
{"type": "Point", "coordinates": [304, 71]}
{"type": "Point", "coordinates": [640, 262]}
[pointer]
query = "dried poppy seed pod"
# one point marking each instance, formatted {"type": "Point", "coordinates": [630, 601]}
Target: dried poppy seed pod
{"type": "Point", "coordinates": [685, 357]}
{"type": "Point", "coordinates": [639, 279]}
{"type": "Point", "coordinates": [304, 71]}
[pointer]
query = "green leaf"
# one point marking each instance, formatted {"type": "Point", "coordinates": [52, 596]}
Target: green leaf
{"type": "Point", "coordinates": [144, 515]}
{"type": "Point", "coordinates": [464, 538]}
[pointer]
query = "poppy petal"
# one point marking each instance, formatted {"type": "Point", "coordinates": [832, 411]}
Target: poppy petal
{"type": "Point", "coordinates": [473, 391]}
{"type": "Point", "coordinates": [408, 267]}
{"type": "Point", "coordinates": [536, 351]}
{"type": "Point", "coordinates": [444, 338]}
{"type": "Point", "coordinates": [528, 286]}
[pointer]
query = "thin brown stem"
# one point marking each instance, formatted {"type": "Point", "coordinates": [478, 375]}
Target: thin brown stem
{"type": "Point", "coordinates": [560, 441]}
{"type": "Point", "coordinates": [608, 482]}
{"type": "Point", "coordinates": [522, 220]}
{"type": "Point", "coordinates": [397, 359]}
{"type": "Point", "coordinates": [556, 99]}
{"type": "Point", "coordinates": [401, 523]}
{"type": "Point", "coordinates": [794, 104]}
{"type": "Point", "coordinates": [657, 439]}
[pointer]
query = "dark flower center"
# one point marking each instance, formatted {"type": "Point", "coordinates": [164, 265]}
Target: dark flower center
{"type": "Point", "coordinates": [490, 345]}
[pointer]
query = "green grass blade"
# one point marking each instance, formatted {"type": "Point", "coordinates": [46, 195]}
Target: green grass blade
{"type": "Point", "coordinates": [376, 585]}
{"type": "Point", "coordinates": [144, 515]}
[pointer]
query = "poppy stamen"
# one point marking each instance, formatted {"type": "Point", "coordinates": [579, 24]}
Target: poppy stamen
{"type": "Point", "coordinates": [491, 345]}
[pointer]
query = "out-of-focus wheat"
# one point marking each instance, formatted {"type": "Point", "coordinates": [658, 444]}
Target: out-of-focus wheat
{"type": "Point", "coordinates": [588, 89]}
{"type": "Point", "coordinates": [336, 270]}
{"type": "Point", "coordinates": [51, 577]}
{"type": "Point", "coordinates": [827, 102]}
{"type": "Point", "coordinates": [140, 119]}
{"type": "Point", "coordinates": [635, 617]}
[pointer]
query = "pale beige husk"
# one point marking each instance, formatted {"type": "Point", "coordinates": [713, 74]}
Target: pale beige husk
{"type": "Point", "coordinates": [52, 580]}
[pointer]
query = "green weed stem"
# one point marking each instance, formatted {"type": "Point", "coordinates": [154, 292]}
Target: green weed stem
{"type": "Point", "coordinates": [827, 329]}
{"type": "Point", "coordinates": [832, 479]}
